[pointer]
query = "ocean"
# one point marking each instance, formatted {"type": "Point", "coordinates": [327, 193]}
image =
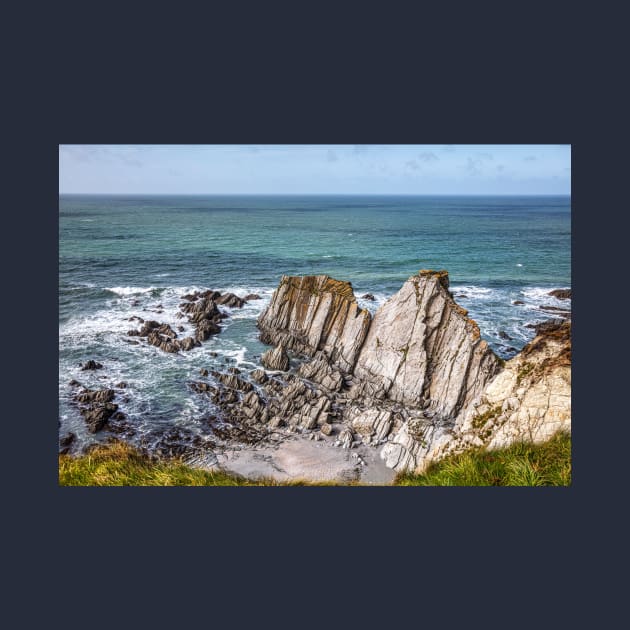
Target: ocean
{"type": "Point", "coordinates": [121, 256]}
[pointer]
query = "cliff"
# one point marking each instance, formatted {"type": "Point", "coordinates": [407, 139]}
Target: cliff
{"type": "Point", "coordinates": [416, 381]}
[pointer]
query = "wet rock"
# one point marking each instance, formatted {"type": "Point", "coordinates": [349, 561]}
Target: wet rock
{"type": "Point", "coordinates": [518, 302]}
{"type": "Point", "coordinates": [180, 328]}
{"type": "Point", "coordinates": [66, 441]}
{"type": "Point", "coordinates": [74, 383]}
{"type": "Point", "coordinates": [203, 372]}
{"type": "Point", "coordinates": [504, 335]}
{"type": "Point", "coordinates": [95, 396]}
{"type": "Point", "coordinates": [368, 296]}
{"type": "Point", "coordinates": [561, 294]}
{"type": "Point", "coordinates": [121, 385]}
{"type": "Point", "coordinates": [231, 300]}
{"type": "Point", "coordinates": [252, 296]}
{"type": "Point", "coordinates": [96, 416]}
{"type": "Point", "coordinates": [259, 376]}
{"type": "Point", "coordinates": [91, 365]}
{"type": "Point", "coordinates": [276, 359]}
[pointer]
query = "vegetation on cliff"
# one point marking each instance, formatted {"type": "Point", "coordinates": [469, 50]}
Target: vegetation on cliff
{"type": "Point", "coordinates": [118, 464]}
{"type": "Point", "coordinates": [521, 464]}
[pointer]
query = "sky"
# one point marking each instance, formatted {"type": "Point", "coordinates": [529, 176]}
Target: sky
{"type": "Point", "coordinates": [455, 169]}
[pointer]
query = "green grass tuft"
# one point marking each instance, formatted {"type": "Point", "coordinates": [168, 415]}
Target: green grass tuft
{"type": "Point", "coordinates": [521, 464]}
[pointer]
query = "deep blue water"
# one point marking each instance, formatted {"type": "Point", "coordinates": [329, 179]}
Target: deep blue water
{"type": "Point", "coordinates": [122, 256]}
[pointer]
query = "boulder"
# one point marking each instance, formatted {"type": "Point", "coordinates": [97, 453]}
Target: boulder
{"type": "Point", "coordinates": [252, 296]}
{"type": "Point", "coordinates": [368, 296]}
{"type": "Point", "coordinates": [91, 365]}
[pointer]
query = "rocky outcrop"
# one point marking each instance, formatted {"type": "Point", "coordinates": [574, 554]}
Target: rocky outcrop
{"type": "Point", "coordinates": [96, 407]}
{"type": "Point", "coordinates": [416, 381]}
{"type": "Point", "coordinates": [276, 359]}
{"type": "Point", "coordinates": [423, 351]}
{"type": "Point", "coordinates": [312, 313]}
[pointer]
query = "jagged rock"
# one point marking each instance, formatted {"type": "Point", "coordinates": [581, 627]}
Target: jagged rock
{"type": "Point", "coordinates": [504, 335]}
{"type": "Point", "coordinates": [252, 296]}
{"type": "Point", "coordinates": [422, 346]}
{"type": "Point", "coordinates": [561, 294]}
{"type": "Point", "coordinates": [188, 343]}
{"type": "Point", "coordinates": [203, 372]}
{"type": "Point", "coordinates": [95, 396]}
{"type": "Point", "coordinates": [276, 359]}
{"type": "Point", "coordinates": [91, 365]}
{"type": "Point", "coordinates": [232, 381]}
{"type": "Point", "coordinates": [74, 383]}
{"type": "Point", "coordinates": [320, 371]}
{"type": "Point", "coordinates": [259, 376]}
{"type": "Point", "coordinates": [312, 313]}
{"type": "Point", "coordinates": [205, 328]}
{"type": "Point", "coordinates": [368, 296]}
{"type": "Point", "coordinates": [229, 299]}
{"type": "Point", "coordinates": [529, 399]}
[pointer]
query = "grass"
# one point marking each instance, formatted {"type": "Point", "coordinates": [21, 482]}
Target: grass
{"type": "Point", "coordinates": [521, 464]}
{"type": "Point", "coordinates": [118, 464]}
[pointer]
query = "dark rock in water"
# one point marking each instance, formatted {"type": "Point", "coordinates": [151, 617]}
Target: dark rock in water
{"type": "Point", "coordinates": [205, 328]}
{"type": "Point", "coordinates": [188, 343]}
{"type": "Point", "coordinates": [97, 417]}
{"type": "Point", "coordinates": [213, 354]}
{"type": "Point", "coordinates": [203, 372]}
{"type": "Point", "coordinates": [74, 383]}
{"type": "Point", "coordinates": [554, 309]}
{"type": "Point", "coordinates": [461, 295]}
{"type": "Point", "coordinates": [234, 370]}
{"type": "Point", "coordinates": [252, 296]}
{"type": "Point", "coordinates": [91, 365]}
{"type": "Point", "coordinates": [95, 396]}
{"type": "Point", "coordinates": [231, 300]}
{"type": "Point", "coordinates": [561, 294]}
{"type": "Point", "coordinates": [368, 296]}
{"type": "Point", "coordinates": [134, 303]}
{"type": "Point", "coordinates": [504, 335]}
{"type": "Point", "coordinates": [276, 359]}
{"type": "Point", "coordinates": [67, 440]}
{"type": "Point", "coordinates": [180, 328]}
{"type": "Point", "coordinates": [159, 306]}
{"type": "Point", "coordinates": [121, 385]}
{"type": "Point", "coordinates": [517, 302]}
{"type": "Point", "coordinates": [131, 341]}
{"type": "Point", "coordinates": [135, 318]}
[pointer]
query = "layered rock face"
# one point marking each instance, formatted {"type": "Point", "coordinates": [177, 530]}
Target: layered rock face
{"type": "Point", "coordinates": [422, 350]}
{"type": "Point", "coordinates": [312, 313]}
{"type": "Point", "coordinates": [417, 381]}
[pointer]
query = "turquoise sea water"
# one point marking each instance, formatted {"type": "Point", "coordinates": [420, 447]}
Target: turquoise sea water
{"type": "Point", "coordinates": [123, 256]}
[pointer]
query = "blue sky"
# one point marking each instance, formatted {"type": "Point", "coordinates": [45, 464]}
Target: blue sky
{"type": "Point", "coordinates": [315, 169]}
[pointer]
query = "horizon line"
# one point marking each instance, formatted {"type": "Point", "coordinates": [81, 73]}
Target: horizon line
{"type": "Point", "coordinates": [256, 194]}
